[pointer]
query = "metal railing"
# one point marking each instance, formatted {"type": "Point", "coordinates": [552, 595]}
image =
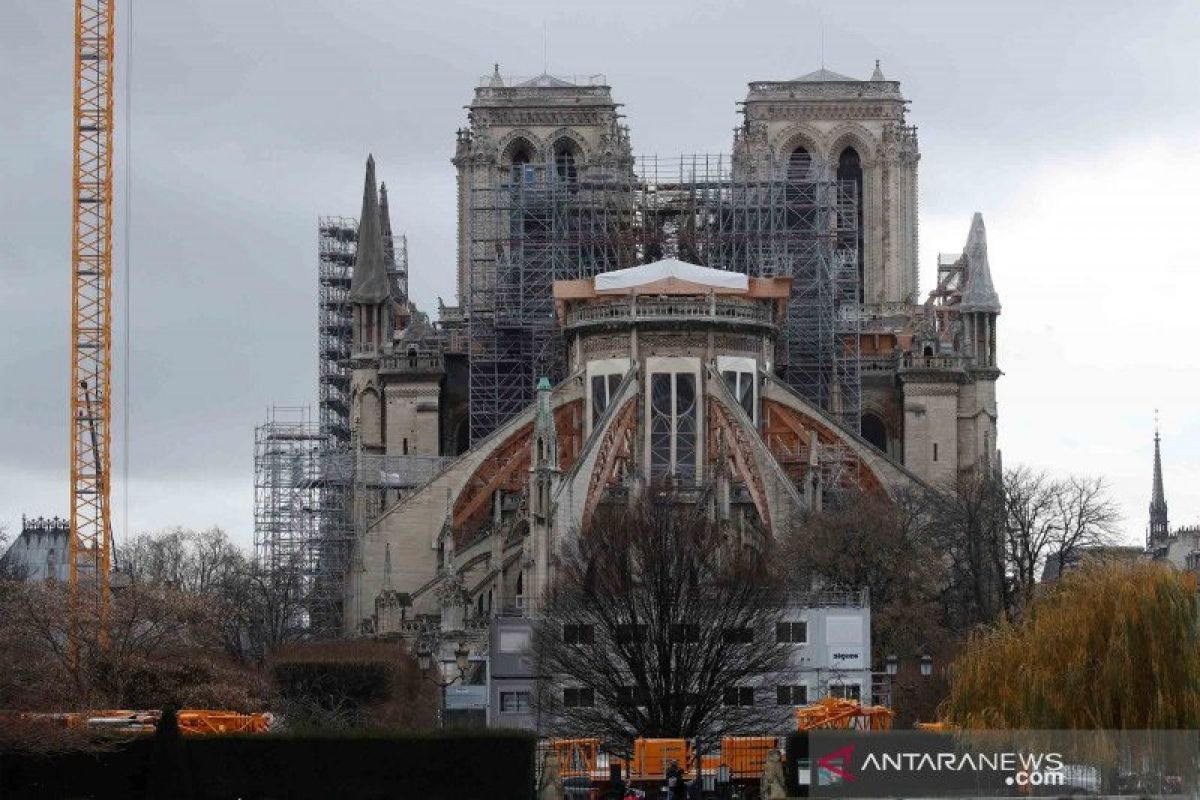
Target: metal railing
{"type": "Point", "coordinates": [933, 362]}
{"type": "Point", "coordinates": [652, 309]}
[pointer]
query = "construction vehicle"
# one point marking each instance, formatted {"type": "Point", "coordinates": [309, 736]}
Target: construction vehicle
{"type": "Point", "coordinates": [583, 763]}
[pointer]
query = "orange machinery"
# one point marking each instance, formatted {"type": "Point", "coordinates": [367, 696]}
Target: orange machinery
{"type": "Point", "coordinates": [192, 722]}
{"type": "Point", "coordinates": [582, 758]}
{"type": "Point", "coordinates": [836, 713]}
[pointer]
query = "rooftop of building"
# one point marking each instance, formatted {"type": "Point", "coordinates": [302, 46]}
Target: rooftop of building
{"type": "Point", "coordinates": [499, 89]}
{"type": "Point", "coordinates": [671, 276]}
{"type": "Point", "coordinates": [826, 84]}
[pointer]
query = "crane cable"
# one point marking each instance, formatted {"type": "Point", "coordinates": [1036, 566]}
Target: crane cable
{"type": "Point", "coordinates": [127, 283]}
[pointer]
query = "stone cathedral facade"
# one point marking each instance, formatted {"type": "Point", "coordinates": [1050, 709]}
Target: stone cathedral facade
{"type": "Point", "coordinates": [670, 367]}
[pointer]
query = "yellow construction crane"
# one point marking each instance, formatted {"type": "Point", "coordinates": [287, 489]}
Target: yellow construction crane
{"type": "Point", "coordinates": [91, 319]}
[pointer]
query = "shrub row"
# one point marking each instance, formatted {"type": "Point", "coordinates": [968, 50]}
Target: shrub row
{"type": "Point", "coordinates": [451, 765]}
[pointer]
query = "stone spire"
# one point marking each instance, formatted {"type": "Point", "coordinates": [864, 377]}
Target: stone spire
{"type": "Point", "coordinates": [1160, 528]}
{"type": "Point", "coordinates": [385, 227]}
{"type": "Point", "coordinates": [369, 284]}
{"type": "Point", "coordinates": [979, 294]}
{"type": "Point", "coordinates": [877, 75]}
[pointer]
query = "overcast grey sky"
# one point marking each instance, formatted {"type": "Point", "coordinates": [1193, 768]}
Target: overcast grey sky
{"type": "Point", "coordinates": [1071, 126]}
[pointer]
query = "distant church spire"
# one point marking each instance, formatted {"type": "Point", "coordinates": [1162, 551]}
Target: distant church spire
{"type": "Point", "coordinates": [1160, 529]}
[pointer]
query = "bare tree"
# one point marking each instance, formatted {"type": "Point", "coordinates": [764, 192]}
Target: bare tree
{"type": "Point", "coordinates": [880, 543]}
{"type": "Point", "coordinates": [1048, 519]}
{"type": "Point", "coordinates": [967, 526]}
{"type": "Point", "coordinates": [162, 647]}
{"type": "Point", "coordinates": [194, 561]}
{"type": "Point", "coordinates": [656, 616]}
{"type": "Point", "coordinates": [1031, 525]}
{"type": "Point", "coordinates": [264, 609]}
{"type": "Point", "coordinates": [259, 609]}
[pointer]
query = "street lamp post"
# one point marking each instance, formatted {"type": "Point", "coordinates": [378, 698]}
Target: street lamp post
{"type": "Point", "coordinates": [426, 652]}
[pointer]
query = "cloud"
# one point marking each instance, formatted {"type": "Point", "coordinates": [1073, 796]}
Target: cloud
{"type": "Point", "coordinates": [1066, 124]}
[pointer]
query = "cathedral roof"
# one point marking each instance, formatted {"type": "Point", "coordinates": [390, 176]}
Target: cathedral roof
{"type": "Point", "coordinates": [671, 276]}
{"type": "Point", "coordinates": [979, 294]}
{"type": "Point", "coordinates": [823, 75]}
{"type": "Point", "coordinates": [369, 283]}
{"type": "Point", "coordinates": [546, 79]}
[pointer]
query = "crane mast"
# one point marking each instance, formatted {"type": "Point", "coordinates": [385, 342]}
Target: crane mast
{"type": "Point", "coordinates": [91, 320]}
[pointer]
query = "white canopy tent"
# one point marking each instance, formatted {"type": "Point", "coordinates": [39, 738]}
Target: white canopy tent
{"type": "Point", "coordinates": [667, 272]}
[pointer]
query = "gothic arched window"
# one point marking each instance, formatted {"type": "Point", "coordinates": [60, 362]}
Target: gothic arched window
{"type": "Point", "coordinates": [799, 166]}
{"type": "Point", "coordinates": [801, 192]}
{"type": "Point", "coordinates": [850, 174]}
{"type": "Point", "coordinates": [521, 162]}
{"type": "Point", "coordinates": [565, 155]}
{"type": "Point", "coordinates": [874, 431]}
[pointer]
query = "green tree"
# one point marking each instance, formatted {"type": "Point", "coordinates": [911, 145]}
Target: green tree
{"type": "Point", "coordinates": [1111, 646]}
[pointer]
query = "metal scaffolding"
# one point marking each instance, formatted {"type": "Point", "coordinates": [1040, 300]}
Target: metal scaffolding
{"type": "Point", "coordinates": [545, 222]}
{"type": "Point", "coordinates": [312, 500]}
{"type": "Point", "coordinates": [286, 449]}
{"type": "Point", "coordinates": [324, 524]}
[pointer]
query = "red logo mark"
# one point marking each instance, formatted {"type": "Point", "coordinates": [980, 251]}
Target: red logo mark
{"type": "Point", "coordinates": [838, 762]}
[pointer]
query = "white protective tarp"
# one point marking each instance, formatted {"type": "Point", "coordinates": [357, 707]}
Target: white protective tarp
{"type": "Point", "coordinates": [666, 269]}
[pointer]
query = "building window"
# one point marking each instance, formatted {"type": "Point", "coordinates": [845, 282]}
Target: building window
{"type": "Point", "coordinates": [578, 697]}
{"type": "Point", "coordinates": [628, 634]}
{"type": "Point", "coordinates": [935, 453]}
{"type": "Point", "coordinates": [799, 167]}
{"type": "Point", "coordinates": [577, 634]}
{"type": "Point", "coordinates": [791, 632]}
{"type": "Point", "coordinates": [633, 696]}
{"type": "Point", "coordinates": [514, 702]}
{"type": "Point", "coordinates": [685, 634]}
{"type": "Point", "coordinates": [845, 691]}
{"type": "Point", "coordinates": [515, 641]}
{"type": "Point", "coordinates": [849, 171]}
{"type": "Point", "coordinates": [737, 635]}
{"type": "Point", "coordinates": [604, 389]}
{"type": "Point", "coordinates": [791, 695]}
{"type": "Point", "coordinates": [741, 386]}
{"type": "Point", "coordinates": [739, 696]}
{"type": "Point", "coordinates": [673, 425]}
{"type": "Point", "coordinates": [874, 431]}
{"type": "Point", "coordinates": [564, 160]}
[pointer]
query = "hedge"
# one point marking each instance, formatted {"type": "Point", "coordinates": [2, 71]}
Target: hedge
{"type": "Point", "coordinates": [436, 766]}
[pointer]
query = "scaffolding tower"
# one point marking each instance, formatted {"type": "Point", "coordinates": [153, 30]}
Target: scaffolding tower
{"type": "Point", "coordinates": [286, 449]}
{"type": "Point", "coordinates": [545, 222]}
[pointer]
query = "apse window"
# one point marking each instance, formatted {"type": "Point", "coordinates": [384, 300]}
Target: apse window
{"type": "Point", "coordinates": [741, 385]}
{"type": "Point", "coordinates": [673, 425]}
{"type": "Point", "coordinates": [604, 390]}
